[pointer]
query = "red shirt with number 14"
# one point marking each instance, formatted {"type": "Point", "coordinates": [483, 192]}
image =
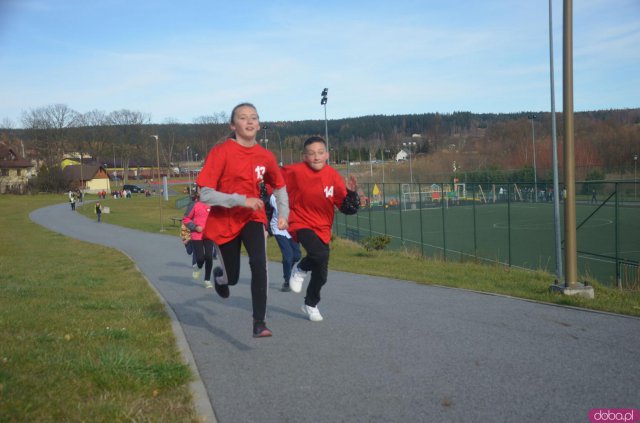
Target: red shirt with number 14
{"type": "Point", "coordinates": [313, 197]}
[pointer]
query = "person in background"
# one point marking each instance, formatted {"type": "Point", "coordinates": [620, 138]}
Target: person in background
{"type": "Point", "coordinates": [98, 211]}
{"type": "Point", "coordinates": [289, 248]}
{"type": "Point", "coordinates": [315, 190]}
{"type": "Point", "coordinates": [230, 183]}
{"type": "Point", "coordinates": [185, 233]}
{"type": "Point", "coordinates": [202, 247]}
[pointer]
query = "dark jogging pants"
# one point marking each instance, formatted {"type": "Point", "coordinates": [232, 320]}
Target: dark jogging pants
{"type": "Point", "coordinates": [253, 237]}
{"type": "Point", "coordinates": [316, 261]}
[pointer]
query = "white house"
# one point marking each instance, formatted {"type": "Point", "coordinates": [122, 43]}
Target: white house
{"type": "Point", "coordinates": [402, 156]}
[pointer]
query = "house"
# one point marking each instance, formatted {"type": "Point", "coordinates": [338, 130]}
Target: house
{"type": "Point", "coordinates": [402, 156]}
{"type": "Point", "coordinates": [14, 171]}
{"type": "Point", "coordinates": [91, 178]}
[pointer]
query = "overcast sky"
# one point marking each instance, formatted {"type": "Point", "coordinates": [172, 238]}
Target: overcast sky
{"type": "Point", "coordinates": [181, 60]}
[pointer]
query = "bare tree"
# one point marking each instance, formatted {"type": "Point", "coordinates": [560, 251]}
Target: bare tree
{"type": "Point", "coordinates": [130, 136]}
{"type": "Point", "coordinates": [50, 125]}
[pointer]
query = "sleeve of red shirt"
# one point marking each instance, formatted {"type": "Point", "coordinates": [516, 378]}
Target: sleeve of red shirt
{"type": "Point", "coordinates": [213, 167]}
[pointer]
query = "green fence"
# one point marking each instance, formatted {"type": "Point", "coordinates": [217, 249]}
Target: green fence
{"type": "Point", "coordinates": [512, 224]}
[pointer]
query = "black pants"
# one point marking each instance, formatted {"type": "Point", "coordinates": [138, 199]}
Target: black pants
{"type": "Point", "coordinates": [316, 261]}
{"type": "Point", "coordinates": [203, 253]}
{"type": "Point", "coordinates": [253, 237]}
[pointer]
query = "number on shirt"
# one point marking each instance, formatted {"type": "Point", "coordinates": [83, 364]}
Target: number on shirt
{"type": "Point", "coordinates": [328, 191]}
{"type": "Point", "coordinates": [260, 170]}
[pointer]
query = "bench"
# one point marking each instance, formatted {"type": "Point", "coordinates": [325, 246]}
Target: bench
{"type": "Point", "coordinates": [176, 221]}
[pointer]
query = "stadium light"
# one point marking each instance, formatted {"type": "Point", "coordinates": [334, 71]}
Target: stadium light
{"type": "Point", "coordinates": [323, 102]}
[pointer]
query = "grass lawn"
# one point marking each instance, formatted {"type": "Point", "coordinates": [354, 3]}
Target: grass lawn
{"type": "Point", "coordinates": [82, 335]}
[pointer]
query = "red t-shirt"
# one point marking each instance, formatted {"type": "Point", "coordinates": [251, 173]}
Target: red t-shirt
{"type": "Point", "coordinates": [313, 196]}
{"type": "Point", "coordinates": [233, 169]}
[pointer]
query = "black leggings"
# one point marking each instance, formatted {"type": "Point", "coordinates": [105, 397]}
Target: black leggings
{"type": "Point", "coordinates": [253, 237]}
{"type": "Point", "coordinates": [203, 252]}
{"type": "Point", "coordinates": [316, 261]}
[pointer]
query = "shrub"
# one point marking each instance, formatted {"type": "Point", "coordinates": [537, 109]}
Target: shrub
{"type": "Point", "coordinates": [377, 243]}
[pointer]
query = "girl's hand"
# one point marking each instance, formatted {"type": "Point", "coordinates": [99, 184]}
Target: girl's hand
{"type": "Point", "coordinates": [352, 184]}
{"type": "Point", "coordinates": [199, 228]}
{"type": "Point", "coordinates": [282, 223]}
{"type": "Point", "coordinates": [254, 203]}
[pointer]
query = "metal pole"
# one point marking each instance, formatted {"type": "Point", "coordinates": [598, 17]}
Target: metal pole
{"type": "Point", "coordinates": [571, 259]}
{"type": "Point", "coordinates": [326, 127]}
{"type": "Point", "coordinates": [535, 171]}
{"type": "Point", "coordinates": [635, 178]}
{"type": "Point", "coordinates": [556, 187]}
{"type": "Point", "coordinates": [410, 166]}
{"type": "Point", "coordinates": [160, 195]}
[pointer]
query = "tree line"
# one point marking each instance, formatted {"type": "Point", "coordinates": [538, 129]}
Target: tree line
{"type": "Point", "coordinates": [605, 139]}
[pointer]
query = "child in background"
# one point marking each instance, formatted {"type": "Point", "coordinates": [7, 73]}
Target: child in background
{"type": "Point", "coordinates": [98, 210]}
{"type": "Point", "coordinates": [196, 221]}
{"type": "Point", "coordinates": [289, 248]}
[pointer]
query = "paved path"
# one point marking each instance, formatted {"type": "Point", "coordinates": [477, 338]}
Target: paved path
{"type": "Point", "coordinates": [387, 351]}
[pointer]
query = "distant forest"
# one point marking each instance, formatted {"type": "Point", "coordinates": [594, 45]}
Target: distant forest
{"type": "Point", "coordinates": [606, 140]}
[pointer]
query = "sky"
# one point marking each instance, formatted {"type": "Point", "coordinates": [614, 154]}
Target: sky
{"type": "Point", "coordinates": [177, 61]}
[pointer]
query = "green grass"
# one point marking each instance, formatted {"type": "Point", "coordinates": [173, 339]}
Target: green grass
{"type": "Point", "coordinates": [82, 335]}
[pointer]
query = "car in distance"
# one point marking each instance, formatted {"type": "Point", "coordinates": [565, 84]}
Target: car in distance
{"type": "Point", "coordinates": [132, 188]}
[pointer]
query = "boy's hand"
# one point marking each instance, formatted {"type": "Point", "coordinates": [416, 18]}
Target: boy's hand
{"type": "Point", "coordinates": [282, 223]}
{"type": "Point", "coordinates": [352, 184]}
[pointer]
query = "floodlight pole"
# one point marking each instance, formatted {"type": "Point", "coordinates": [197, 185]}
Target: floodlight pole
{"type": "Point", "coordinates": [635, 177]}
{"type": "Point", "coordinates": [323, 102]}
{"type": "Point", "coordinates": [535, 170]}
{"type": "Point", "coordinates": [556, 187]}
{"type": "Point", "coordinates": [159, 193]}
{"type": "Point", "coordinates": [410, 145]}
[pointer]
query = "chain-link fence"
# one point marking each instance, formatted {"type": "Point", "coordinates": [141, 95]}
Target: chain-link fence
{"type": "Point", "coordinates": [511, 223]}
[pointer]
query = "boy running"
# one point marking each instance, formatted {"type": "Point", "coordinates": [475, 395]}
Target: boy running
{"type": "Point", "coordinates": [315, 189]}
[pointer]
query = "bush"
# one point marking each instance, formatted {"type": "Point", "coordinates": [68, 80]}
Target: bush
{"type": "Point", "coordinates": [377, 243]}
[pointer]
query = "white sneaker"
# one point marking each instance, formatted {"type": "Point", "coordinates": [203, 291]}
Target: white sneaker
{"type": "Point", "coordinates": [196, 273]}
{"type": "Point", "coordinates": [312, 312]}
{"type": "Point", "coordinates": [208, 284]}
{"type": "Point", "coordinates": [297, 279]}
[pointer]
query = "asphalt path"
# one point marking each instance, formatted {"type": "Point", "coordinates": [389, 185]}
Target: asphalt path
{"type": "Point", "coordinates": [387, 351]}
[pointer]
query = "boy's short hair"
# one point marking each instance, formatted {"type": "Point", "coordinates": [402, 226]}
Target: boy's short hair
{"type": "Point", "coordinates": [313, 139]}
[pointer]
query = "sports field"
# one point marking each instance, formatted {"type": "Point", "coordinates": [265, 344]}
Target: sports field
{"type": "Point", "coordinates": [516, 233]}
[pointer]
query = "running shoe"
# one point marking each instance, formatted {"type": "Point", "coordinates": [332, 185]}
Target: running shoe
{"type": "Point", "coordinates": [260, 329]}
{"type": "Point", "coordinates": [296, 279]}
{"type": "Point", "coordinates": [312, 313]}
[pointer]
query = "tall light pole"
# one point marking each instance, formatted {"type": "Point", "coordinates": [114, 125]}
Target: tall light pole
{"type": "Point", "coordinates": [410, 144]}
{"type": "Point", "coordinates": [265, 140]}
{"type": "Point", "coordinates": [160, 194]}
{"type": "Point", "coordinates": [323, 102]}
{"type": "Point", "coordinates": [535, 172]}
{"type": "Point", "coordinates": [635, 176]}
{"type": "Point", "coordinates": [280, 144]}
{"type": "Point", "coordinates": [556, 184]}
